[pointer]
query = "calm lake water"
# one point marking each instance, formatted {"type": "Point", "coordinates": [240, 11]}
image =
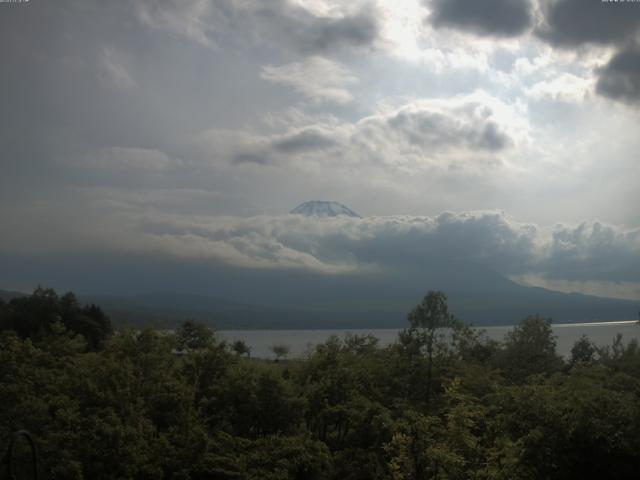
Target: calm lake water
{"type": "Point", "coordinates": [301, 341]}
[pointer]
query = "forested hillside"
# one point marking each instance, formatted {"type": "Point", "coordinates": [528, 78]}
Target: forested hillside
{"type": "Point", "coordinates": [439, 403]}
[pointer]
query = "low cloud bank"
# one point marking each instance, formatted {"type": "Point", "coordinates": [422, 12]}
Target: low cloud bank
{"type": "Point", "coordinates": [588, 251]}
{"type": "Point", "coordinates": [592, 254]}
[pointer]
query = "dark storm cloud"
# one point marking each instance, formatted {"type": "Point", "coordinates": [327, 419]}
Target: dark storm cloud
{"type": "Point", "coordinates": [620, 78]}
{"type": "Point", "coordinates": [569, 23]}
{"type": "Point", "coordinates": [506, 18]}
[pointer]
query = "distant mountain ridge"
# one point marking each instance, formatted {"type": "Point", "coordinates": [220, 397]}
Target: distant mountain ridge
{"type": "Point", "coordinates": [475, 295]}
{"type": "Point", "coordinates": [322, 208]}
{"type": "Point", "coordinates": [7, 295]}
{"type": "Point", "coordinates": [229, 298]}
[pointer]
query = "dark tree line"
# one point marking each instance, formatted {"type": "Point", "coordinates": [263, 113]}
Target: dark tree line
{"type": "Point", "coordinates": [443, 402]}
{"type": "Point", "coordinates": [42, 313]}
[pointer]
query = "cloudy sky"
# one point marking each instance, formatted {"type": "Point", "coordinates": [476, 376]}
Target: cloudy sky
{"type": "Point", "coordinates": [505, 132]}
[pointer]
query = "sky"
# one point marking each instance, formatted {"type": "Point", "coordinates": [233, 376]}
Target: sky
{"type": "Point", "coordinates": [504, 132]}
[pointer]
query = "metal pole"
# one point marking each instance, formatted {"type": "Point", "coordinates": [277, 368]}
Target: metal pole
{"type": "Point", "coordinates": [34, 454]}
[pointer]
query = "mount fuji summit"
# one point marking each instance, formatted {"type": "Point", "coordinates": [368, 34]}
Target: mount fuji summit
{"type": "Point", "coordinates": [317, 208]}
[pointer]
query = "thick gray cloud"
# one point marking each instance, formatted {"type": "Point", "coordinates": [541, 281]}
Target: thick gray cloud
{"type": "Point", "coordinates": [563, 24]}
{"type": "Point", "coordinates": [213, 23]}
{"type": "Point", "coordinates": [570, 23]}
{"type": "Point", "coordinates": [505, 18]}
{"type": "Point", "coordinates": [593, 251]}
{"type": "Point", "coordinates": [244, 147]}
{"type": "Point", "coordinates": [620, 78]}
{"type": "Point", "coordinates": [322, 35]}
{"type": "Point", "coordinates": [302, 141]}
{"type": "Point", "coordinates": [435, 130]}
{"type": "Point", "coordinates": [417, 135]}
{"type": "Point", "coordinates": [345, 244]}
{"type": "Point", "coordinates": [574, 23]}
{"type": "Point", "coordinates": [300, 29]}
{"type": "Point", "coordinates": [589, 251]}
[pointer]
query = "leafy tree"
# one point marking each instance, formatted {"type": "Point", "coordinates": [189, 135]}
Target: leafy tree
{"type": "Point", "coordinates": [360, 344]}
{"type": "Point", "coordinates": [473, 346]}
{"type": "Point", "coordinates": [574, 425]}
{"type": "Point", "coordinates": [530, 348]}
{"type": "Point", "coordinates": [34, 317]}
{"type": "Point", "coordinates": [583, 350]}
{"type": "Point", "coordinates": [280, 351]}
{"type": "Point", "coordinates": [620, 356]}
{"type": "Point", "coordinates": [253, 401]}
{"type": "Point", "coordinates": [31, 317]}
{"type": "Point", "coordinates": [89, 321]}
{"type": "Point", "coordinates": [241, 348]}
{"type": "Point", "coordinates": [205, 370]}
{"type": "Point", "coordinates": [193, 335]}
{"type": "Point", "coordinates": [429, 321]}
{"type": "Point", "coordinates": [296, 458]}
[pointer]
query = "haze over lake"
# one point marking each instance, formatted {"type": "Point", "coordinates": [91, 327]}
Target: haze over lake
{"type": "Point", "coordinates": [301, 341]}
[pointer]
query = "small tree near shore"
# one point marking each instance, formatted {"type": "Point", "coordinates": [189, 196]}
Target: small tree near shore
{"type": "Point", "coordinates": [241, 348]}
{"type": "Point", "coordinates": [280, 351]}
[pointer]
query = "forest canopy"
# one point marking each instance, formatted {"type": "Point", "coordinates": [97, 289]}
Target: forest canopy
{"type": "Point", "coordinates": [446, 404]}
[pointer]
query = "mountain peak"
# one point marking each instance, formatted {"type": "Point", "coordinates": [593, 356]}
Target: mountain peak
{"type": "Point", "coordinates": [319, 208]}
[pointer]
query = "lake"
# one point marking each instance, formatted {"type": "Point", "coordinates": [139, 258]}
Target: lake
{"type": "Point", "coordinates": [300, 341]}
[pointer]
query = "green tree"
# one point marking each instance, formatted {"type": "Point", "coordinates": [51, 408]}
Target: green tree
{"type": "Point", "coordinates": [280, 351]}
{"type": "Point", "coordinates": [193, 335]}
{"type": "Point", "coordinates": [360, 344]}
{"type": "Point", "coordinates": [429, 321]}
{"type": "Point", "coordinates": [89, 320]}
{"type": "Point", "coordinates": [253, 400]}
{"type": "Point", "coordinates": [530, 348]}
{"type": "Point", "coordinates": [241, 348]}
{"type": "Point", "coordinates": [621, 356]}
{"type": "Point", "coordinates": [34, 317]}
{"type": "Point", "coordinates": [583, 350]}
